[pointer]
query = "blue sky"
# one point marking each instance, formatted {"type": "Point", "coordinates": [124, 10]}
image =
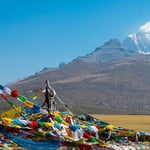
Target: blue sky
{"type": "Point", "coordinates": [42, 33]}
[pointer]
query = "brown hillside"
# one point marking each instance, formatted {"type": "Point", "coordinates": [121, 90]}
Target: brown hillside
{"type": "Point", "coordinates": [120, 87]}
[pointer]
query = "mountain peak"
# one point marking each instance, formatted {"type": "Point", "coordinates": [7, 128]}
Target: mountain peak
{"type": "Point", "coordinates": [112, 50]}
{"type": "Point", "coordinates": [145, 27]}
{"type": "Point", "coordinates": [116, 41]}
{"type": "Point", "coordinates": [112, 42]}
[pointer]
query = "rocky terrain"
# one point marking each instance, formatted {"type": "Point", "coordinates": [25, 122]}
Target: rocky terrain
{"type": "Point", "coordinates": [113, 79]}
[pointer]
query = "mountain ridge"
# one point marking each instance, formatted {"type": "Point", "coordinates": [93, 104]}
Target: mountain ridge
{"type": "Point", "coordinates": [111, 50]}
{"type": "Point", "coordinates": [114, 78]}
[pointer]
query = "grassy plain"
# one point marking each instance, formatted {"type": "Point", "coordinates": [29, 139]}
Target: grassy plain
{"type": "Point", "coordinates": [137, 122]}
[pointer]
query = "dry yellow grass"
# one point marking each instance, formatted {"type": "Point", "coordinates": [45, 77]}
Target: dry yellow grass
{"type": "Point", "coordinates": [137, 122]}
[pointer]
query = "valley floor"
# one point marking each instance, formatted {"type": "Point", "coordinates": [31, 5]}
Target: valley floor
{"type": "Point", "coordinates": [137, 122]}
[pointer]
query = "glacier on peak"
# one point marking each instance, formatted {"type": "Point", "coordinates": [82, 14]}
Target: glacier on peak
{"type": "Point", "coordinates": [140, 41]}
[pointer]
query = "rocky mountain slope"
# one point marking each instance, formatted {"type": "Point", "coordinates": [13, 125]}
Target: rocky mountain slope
{"type": "Point", "coordinates": [113, 79]}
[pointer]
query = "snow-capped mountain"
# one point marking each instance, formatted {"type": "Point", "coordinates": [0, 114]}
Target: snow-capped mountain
{"type": "Point", "coordinates": [114, 78]}
{"type": "Point", "coordinates": [140, 41]}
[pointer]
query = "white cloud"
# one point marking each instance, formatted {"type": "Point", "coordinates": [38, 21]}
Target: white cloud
{"type": "Point", "coordinates": [145, 28]}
